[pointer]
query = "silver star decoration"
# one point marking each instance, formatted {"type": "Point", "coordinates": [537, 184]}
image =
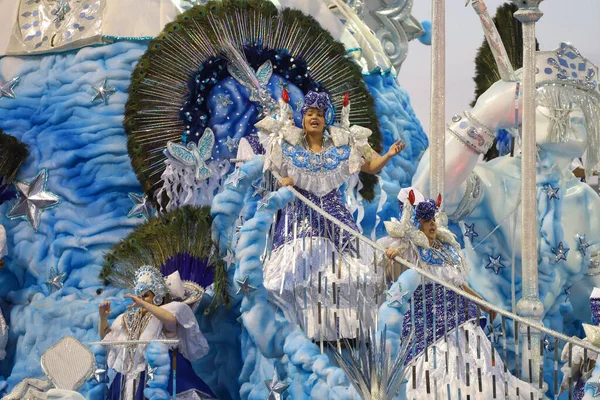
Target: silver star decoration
{"type": "Point", "coordinates": [235, 178]}
{"type": "Point", "coordinates": [61, 11]}
{"type": "Point", "coordinates": [151, 372]}
{"type": "Point", "coordinates": [276, 387]}
{"type": "Point", "coordinates": [495, 264]}
{"type": "Point", "coordinates": [33, 199]}
{"type": "Point", "coordinates": [258, 189]}
{"type": "Point", "coordinates": [99, 375]}
{"type": "Point", "coordinates": [229, 258]}
{"type": "Point", "coordinates": [224, 100]}
{"type": "Point", "coordinates": [548, 345]}
{"type": "Point", "coordinates": [551, 192]}
{"type": "Point", "coordinates": [583, 245]}
{"type": "Point", "coordinates": [231, 143]}
{"type": "Point", "coordinates": [245, 287]}
{"type": "Point", "coordinates": [55, 281]}
{"type": "Point", "coordinates": [560, 252]}
{"type": "Point", "coordinates": [595, 386]}
{"type": "Point", "coordinates": [264, 202]}
{"type": "Point", "coordinates": [6, 87]}
{"type": "Point", "coordinates": [470, 231]}
{"type": "Point", "coordinates": [299, 105]}
{"type": "Point", "coordinates": [395, 296]}
{"type": "Point", "coordinates": [141, 206]}
{"type": "Point", "coordinates": [103, 92]}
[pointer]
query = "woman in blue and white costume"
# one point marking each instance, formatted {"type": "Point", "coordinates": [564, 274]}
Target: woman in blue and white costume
{"type": "Point", "coordinates": [317, 160]}
{"type": "Point", "coordinates": [422, 238]}
{"type": "Point", "coordinates": [153, 315]}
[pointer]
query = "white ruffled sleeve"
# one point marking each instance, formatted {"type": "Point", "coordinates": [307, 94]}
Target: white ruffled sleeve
{"type": "Point", "coordinates": [192, 343]}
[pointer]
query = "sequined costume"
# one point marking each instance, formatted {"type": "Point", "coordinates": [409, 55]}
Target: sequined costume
{"type": "Point", "coordinates": [129, 362]}
{"type": "Point", "coordinates": [311, 256]}
{"type": "Point", "coordinates": [442, 321]}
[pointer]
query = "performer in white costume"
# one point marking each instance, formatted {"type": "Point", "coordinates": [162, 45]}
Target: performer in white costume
{"type": "Point", "coordinates": [152, 316]}
{"type": "Point", "coordinates": [422, 237]}
{"type": "Point", "coordinates": [300, 274]}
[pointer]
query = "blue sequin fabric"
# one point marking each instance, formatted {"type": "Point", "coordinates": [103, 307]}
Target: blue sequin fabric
{"type": "Point", "coordinates": [310, 224]}
{"type": "Point", "coordinates": [329, 159]}
{"type": "Point", "coordinates": [254, 142]}
{"type": "Point", "coordinates": [444, 307]}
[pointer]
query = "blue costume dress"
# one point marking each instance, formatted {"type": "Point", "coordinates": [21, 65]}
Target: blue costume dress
{"type": "Point", "coordinates": [314, 272]}
{"type": "Point", "coordinates": [458, 349]}
{"type": "Point", "coordinates": [130, 364]}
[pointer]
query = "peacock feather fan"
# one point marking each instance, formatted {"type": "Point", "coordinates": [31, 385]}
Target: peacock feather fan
{"type": "Point", "coordinates": [172, 83]}
{"type": "Point", "coordinates": [486, 70]}
{"type": "Point", "coordinates": [12, 154]}
{"type": "Point", "coordinates": [176, 241]}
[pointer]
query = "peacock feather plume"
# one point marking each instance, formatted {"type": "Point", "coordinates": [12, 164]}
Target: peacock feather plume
{"type": "Point", "coordinates": [176, 241]}
{"type": "Point", "coordinates": [12, 154]}
{"type": "Point", "coordinates": [174, 78]}
{"type": "Point", "coordinates": [486, 70]}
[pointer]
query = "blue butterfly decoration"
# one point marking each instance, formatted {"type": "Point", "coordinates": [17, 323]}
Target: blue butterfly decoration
{"type": "Point", "coordinates": [194, 155]}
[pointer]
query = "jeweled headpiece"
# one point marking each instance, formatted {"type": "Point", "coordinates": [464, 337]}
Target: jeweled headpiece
{"type": "Point", "coordinates": [149, 278]}
{"type": "Point", "coordinates": [566, 78]}
{"type": "Point", "coordinates": [319, 100]}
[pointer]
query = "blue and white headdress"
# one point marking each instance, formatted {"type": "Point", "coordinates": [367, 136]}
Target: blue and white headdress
{"type": "Point", "coordinates": [320, 101]}
{"type": "Point", "coordinates": [149, 278]}
{"type": "Point", "coordinates": [414, 207]}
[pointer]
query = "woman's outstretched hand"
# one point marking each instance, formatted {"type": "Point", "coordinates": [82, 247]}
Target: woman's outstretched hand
{"type": "Point", "coordinates": [137, 301]}
{"type": "Point", "coordinates": [287, 181]}
{"type": "Point", "coordinates": [104, 309]}
{"type": "Point", "coordinates": [395, 149]}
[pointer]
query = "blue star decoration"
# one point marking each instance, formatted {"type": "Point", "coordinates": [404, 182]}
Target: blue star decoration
{"type": "Point", "coordinates": [583, 245]}
{"type": "Point", "coordinates": [560, 252]}
{"type": "Point", "coordinates": [276, 387]}
{"type": "Point", "coordinates": [103, 92]}
{"type": "Point", "coordinates": [264, 202]}
{"type": "Point", "coordinates": [470, 232]}
{"type": "Point", "coordinates": [395, 296]}
{"type": "Point", "coordinates": [235, 178]}
{"type": "Point", "coordinates": [495, 264]}
{"type": "Point", "coordinates": [551, 192]}
{"type": "Point", "coordinates": [33, 200]}
{"type": "Point", "coordinates": [224, 100]}
{"type": "Point", "coordinates": [231, 143]}
{"type": "Point", "coordinates": [244, 286]}
{"type": "Point", "coordinates": [7, 87]}
{"type": "Point", "coordinates": [595, 387]}
{"type": "Point", "coordinates": [55, 281]}
{"type": "Point", "coordinates": [141, 206]}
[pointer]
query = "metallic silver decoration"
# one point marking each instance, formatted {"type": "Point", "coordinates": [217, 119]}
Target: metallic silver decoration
{"type": "Point", "coordinates": [151, 372]}
{"type": "Point", "coordinates": [529, 306]}
{"type": "Point", "coordinates": [229, 258]}
{"type": "Point", "coordinates": [235, 178]}
{"type": "Point", "coordinates": [231, 143]}
{"type": "Point", "coordinates": [551, 192]}
{"type": "Point", "coordinates": [494, 40]}
{"type": "Point", "coordinates": [375, 373]}
{"type": "Point", "coordinates": [244, 286]}
{"type": "Point", "coordinates": [68, 364]}
{"type": "Point", "coordinates": [456, 118]}
{"type": "Point", "coordinates": [55, 280]}
{"type": "Point", "coordinates": [396, 296]}
{"type": "Point", "coordinates": [33, 200]}
{"type": "Point", "coordinates": [583, 245]}
{"type": "Point", "coordinates": [392, 24]}
{"type": "Point", "coordinates": [99, 375]}
{"type": "Point", "coordinates": [560, 252]}
{"type": "Point", "coordinates": [470, 232]}
{"type": "Point", "coordinates": [495, 264]}
{"type": "Point", "coordinates": [58, 25]}
{"type": "Point", "coordinates": [437, 119]}
{"type": "Point", "coordinates": [103, 92]}
{"type": "Point", "coordinates": [141, 206]}
{"type": "Point", "coordinates": [3, 336]}
{"type": "Point", "coordinates": [29, 388]}
{"type": "Point", "coordinates": [276, 387]}
{"type": "Point", "coordinates": [7, 87]}
{"type": "Point", "coordinates": [264, 202]}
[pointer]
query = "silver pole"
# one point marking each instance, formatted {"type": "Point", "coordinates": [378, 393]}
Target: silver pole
{"type": "Point", "coordinates": [529, 305]}
{"type": "Point", "coordinates": [437, 121]}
